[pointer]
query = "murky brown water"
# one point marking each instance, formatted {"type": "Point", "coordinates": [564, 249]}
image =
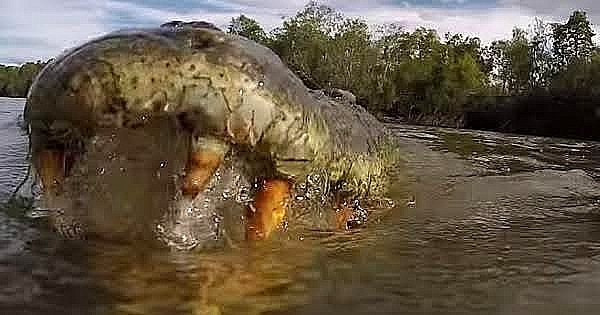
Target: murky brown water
{"type": "Point", "coordinates": [485, 223]}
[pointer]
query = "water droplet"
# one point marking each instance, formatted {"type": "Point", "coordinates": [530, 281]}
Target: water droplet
{"type": "Point", "coordinates": [226, 194]}
{"type": "Point", "coordinates": [261, 83]}
{"type": "Point", "coordinates": [412, 203]}
{"type": "Point", "coordinates": [101, 171]}
{"type": "Point", "coordinates": [163, 164]}
{"type": "Point", "coordinates": [241, 92]}
{"type": "Point", "coordinates": [189, 210]}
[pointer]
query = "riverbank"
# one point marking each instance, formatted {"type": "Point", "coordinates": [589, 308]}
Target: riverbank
{"type": "Point", "coordinates": [547, 115]}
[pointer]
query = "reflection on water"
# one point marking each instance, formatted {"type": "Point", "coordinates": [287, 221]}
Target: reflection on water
{"type": "Point", "coordinates": [497, 224]}
{"type": "Point", "coordinates": [13, 144]}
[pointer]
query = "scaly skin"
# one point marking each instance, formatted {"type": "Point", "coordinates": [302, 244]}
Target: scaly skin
{"type": "Point", "coordinates": [212, 91]}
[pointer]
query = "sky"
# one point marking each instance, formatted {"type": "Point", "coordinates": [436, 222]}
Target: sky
{"type": "Point", "coordinates": [40, 29]}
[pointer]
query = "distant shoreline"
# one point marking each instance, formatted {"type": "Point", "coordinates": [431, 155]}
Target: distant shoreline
{"type": "Point", "coordinates": [565, 116]}
{"type": "Point", "coordinates": [546, 116]}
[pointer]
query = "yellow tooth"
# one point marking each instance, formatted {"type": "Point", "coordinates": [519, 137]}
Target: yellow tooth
{"type": "Point", "coordinates": [268, 209]}
{"type": "Point", "coordinates": [206, 157]}
{"type": "Point", "coordinates": [51, 168]}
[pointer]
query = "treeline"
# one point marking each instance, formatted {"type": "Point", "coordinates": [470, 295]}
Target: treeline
{"type": "Point", "coordinates": [15, 81]}
{"type": "Point", "coordinates": [394, 70]}
{"type": "Point", "coordinates": [559, 59]}
{"type": "Point", "coordinates": [398, 71]}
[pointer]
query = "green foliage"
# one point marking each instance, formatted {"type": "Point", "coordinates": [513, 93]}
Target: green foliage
{"type": "Point", "coordinates": [512, 63]}
{"type": "Point", "coordinates": [15, 81]}
{"type": "Point", "coordinates": [247, 27]}
{"type": "Point", "coordinates": [351, 50]}
{"type": "Point", "coordinates": [406, 72]}
{"type": "Point", "coordinates": [573, 40]}
{"type": "Point", "coordinates": [540, 55]}
{"type": "Point", "coordinates": [401, 71]}
{"type": "Point", "coordinates": [579, 78]}
{"type": "Point", "coordinates": [305, 41]}
{"type": "Point", "coordinates": [576, 59]}
{"type": "Point", "coordinates": [391, 70]}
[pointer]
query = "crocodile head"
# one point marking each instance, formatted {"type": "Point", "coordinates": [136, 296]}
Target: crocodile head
{"type": "Point", "coordinates": [170, 131]}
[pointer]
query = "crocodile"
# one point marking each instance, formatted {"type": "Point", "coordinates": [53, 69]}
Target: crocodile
{"type": "Point", "coordinates": [194, 136]}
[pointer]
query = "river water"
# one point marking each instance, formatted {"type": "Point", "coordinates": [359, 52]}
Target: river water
{"type": "Point", "coordinates": [484, 223]}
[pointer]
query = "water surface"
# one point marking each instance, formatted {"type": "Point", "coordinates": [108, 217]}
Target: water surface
{"type": "Point", "coordinates": [484, 223]}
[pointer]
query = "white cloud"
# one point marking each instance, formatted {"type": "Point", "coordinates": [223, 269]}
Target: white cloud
{"type": "Point", "coordinates": [36, 28]}
{"type": "Point", "coordinates": [40, 29]}
{"type": "Point", "coordinates": [558, 10]}
{"type": "Point", "coordinates": [487, 24]}
{"type": "Point", "coordinates": [557, 7]}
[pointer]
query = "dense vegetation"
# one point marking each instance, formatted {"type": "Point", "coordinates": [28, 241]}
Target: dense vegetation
{"type": "Point", "coordinates": [15, 81]}
{"type": "Point", "coordinates": [397, 71]}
